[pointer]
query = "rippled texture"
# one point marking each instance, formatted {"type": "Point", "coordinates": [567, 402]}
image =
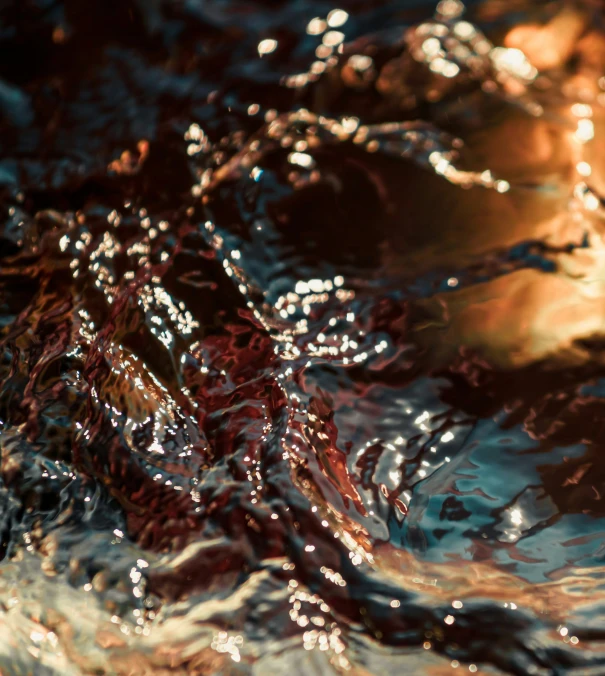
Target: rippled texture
{"type": "Point", "coordinates": [302, 327]}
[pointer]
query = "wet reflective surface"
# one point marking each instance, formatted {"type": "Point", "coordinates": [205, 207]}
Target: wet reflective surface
{"type": "Point", "coordinates": [302, 326]}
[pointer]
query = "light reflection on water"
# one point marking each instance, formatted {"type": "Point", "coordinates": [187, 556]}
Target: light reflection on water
{"type": "Point", "coordinates": [302, 333]}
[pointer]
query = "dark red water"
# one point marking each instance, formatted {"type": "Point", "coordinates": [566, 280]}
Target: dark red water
{"type": "Point", "coordinates": [302, 324]}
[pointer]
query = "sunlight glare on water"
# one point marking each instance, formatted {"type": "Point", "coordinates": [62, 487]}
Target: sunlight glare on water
{"type": "Point", "coordinates": [302, 327]}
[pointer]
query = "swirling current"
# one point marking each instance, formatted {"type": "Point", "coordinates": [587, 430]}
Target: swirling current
{"type": "Point", "coordinates": [302, 337]}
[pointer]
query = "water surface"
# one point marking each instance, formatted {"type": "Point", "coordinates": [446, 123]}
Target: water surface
{"type": "Point", "coordinates": [302, 325]}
